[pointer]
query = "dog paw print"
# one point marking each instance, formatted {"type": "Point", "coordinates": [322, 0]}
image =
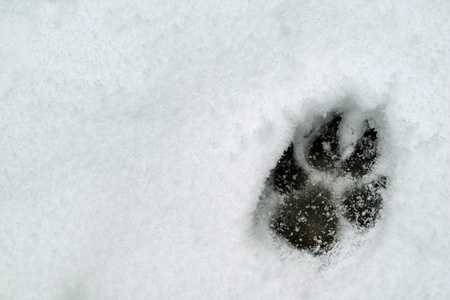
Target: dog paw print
{"type": "Point", "coordinates": [306, 179]}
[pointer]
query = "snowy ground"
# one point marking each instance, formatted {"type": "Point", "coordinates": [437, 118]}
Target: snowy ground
{"type": "Point", "coordinates": [136, 138]}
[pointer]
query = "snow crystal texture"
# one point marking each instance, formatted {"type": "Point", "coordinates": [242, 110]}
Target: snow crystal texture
{"type": "Point", "coordinates": [136, 138]}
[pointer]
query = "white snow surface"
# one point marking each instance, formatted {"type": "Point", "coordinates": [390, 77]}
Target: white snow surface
{"type": "Point", "coordinates": [136, 137]}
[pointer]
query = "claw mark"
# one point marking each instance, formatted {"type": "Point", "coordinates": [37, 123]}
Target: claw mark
{"type": "Point", "coordinates": [323, 153]}
{"type": "Point", "coordinates": [363, 157]}
{"type": "Point", "coordinates": [288, 176]}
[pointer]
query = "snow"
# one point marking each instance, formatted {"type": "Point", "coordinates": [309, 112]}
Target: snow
{"type": "Point", "coordinates": [137, 137]}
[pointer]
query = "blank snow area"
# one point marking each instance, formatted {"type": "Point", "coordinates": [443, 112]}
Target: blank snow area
{"type": "Point", "coordinates": [136, 139]}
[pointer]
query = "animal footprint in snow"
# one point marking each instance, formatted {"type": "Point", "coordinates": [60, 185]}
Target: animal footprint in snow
{"type": "Point", "coordinates": [311, 209]}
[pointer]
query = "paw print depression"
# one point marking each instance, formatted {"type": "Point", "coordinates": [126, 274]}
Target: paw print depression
{"type": "Point", "coordinates": [324, 182]}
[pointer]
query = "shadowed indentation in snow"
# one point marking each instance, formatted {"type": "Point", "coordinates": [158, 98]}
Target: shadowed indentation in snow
{"type": "Point", "coordinates": [310, 208]}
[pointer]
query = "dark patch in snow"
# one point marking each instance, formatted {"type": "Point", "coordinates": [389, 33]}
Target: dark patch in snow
{"type": "Point", "coordinates": [307, 219]}
{"type": "Point", "coordinates": [311, 207]}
